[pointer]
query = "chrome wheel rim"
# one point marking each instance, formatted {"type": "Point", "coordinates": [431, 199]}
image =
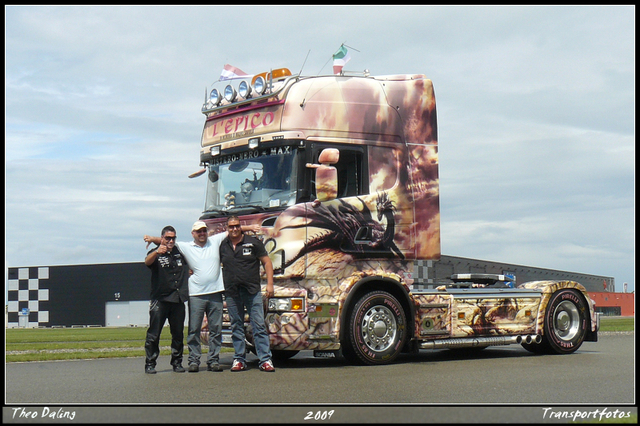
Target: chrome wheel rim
{"type": "Point", "coordinates": [566, 322]}
{"type": "Point", "coordinates": [379, 328]}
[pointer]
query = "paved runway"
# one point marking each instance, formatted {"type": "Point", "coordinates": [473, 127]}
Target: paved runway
{"type": "Point", "coordinates": [600, 374]}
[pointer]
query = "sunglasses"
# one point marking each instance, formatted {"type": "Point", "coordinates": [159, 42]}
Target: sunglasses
{"type": "Point", "coordinates": [233, 226]}
{"type": "Point", "coordinates": [170, 238]}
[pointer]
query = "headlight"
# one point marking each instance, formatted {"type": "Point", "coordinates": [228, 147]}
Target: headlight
{"type": "Point", "coordinates": [215, 97]}
{"type": "Point", "coordinates": [244, 89]}
{"type": "Point", "coordinates": [286, 304]}
{"type": "Point", "coordinates": [230, 93]}
{"type": "Point", "coordinates": [260, 85]}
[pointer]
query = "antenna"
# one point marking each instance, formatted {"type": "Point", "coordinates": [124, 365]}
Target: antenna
{"type": "Point", "coordinates": [305, 61]}
{"type": "Point", "coordinates": [325, 64]}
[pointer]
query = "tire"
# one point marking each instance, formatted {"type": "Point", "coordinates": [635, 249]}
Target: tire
{"type": "Point", "coordinates": [377, 329]}
{"type": "Point", "coordinates": [565, 323]}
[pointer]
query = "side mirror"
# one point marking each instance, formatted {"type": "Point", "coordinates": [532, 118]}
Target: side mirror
{"type": "Point", "coordinates": [329, 156]}
{"type": "Point", "coordinates": [326, 183]}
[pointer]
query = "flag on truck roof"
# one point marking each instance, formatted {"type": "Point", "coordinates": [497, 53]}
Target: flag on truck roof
{"type": "Point", "coordinates": [229, 72]}
{"type": "Point", "coordinates": [340, 58]}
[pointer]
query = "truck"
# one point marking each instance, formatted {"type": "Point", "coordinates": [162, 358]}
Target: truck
{"type": "Point", "coordinates": [341, 174]}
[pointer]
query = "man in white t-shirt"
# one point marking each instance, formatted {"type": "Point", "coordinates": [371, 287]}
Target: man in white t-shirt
{"type": "Point", "coordinates": [205, 292]}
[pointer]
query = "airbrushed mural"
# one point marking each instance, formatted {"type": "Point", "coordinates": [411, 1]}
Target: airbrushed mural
{"type": "Point", "coordinates": [350, 258]}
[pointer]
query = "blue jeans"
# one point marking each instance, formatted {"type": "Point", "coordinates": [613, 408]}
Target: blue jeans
{"type": "Point", "coordinates": [211, 305]}
{"type": "Point", "coordinates": [253, 303]}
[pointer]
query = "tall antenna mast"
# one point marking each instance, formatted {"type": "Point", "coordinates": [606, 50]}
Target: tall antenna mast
{"type": "Point", "coordinates": [305, 61]}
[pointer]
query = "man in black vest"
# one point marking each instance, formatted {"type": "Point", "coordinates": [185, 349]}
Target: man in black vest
{"type": "Point", "coordinates": [169, 291]}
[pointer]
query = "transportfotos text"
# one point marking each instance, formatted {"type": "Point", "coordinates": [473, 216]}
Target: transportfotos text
{"type": "Point", "coordinates": [597, 414]}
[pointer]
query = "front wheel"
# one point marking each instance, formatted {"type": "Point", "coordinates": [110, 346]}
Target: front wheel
{"type": "Point", "coordinates": [565, 322]}
{"type": "Point", "coordinates": [377, 329]}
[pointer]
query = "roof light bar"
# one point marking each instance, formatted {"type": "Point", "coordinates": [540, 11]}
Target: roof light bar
{"type": "Point", "coordinates": [261, 84]}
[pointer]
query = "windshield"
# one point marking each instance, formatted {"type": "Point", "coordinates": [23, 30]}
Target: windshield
{"type": "Point", "coordinates": [262, 179]}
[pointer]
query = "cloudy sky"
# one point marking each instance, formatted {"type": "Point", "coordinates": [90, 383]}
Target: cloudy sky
{"type": "Point", "coordinates": [536, 109]}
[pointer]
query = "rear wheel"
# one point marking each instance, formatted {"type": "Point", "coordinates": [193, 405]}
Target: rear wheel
{"type": "Point", "coordinates": [377, 329]}
{"type": "Point", "coordinates": [565, 324]}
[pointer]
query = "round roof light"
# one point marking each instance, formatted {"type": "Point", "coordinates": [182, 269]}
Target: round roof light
{"type": "Point", "coordinates": [230, 93]}
{"type": "Point", "coordinates": [244, 89]}
{"type": "Point", "coordinates": [260, 85]}
{"type": "Point", "coordinates": [215, 97]}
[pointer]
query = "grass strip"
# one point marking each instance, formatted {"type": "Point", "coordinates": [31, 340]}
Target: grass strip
{"type": "Point", "coordinates": [50, 344]}
{"type": "Point", "coordinates": [617, 323]}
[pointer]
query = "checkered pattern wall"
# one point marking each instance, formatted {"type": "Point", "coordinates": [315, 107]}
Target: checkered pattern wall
{"type": "Point", "coordinates": [28, 296]}
{"type": "Point", "coordinates": [423, 274]}
{"type": "Point", "coordinates": [71, 295]}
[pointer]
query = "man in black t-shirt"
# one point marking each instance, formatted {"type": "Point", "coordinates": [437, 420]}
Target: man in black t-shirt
{"type": "Point", "coordinates": [241, 256]}
{"type": "Point", "coordinates": [169, 291]}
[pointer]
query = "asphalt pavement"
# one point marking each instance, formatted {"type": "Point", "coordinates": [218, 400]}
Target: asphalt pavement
{"type": "Point", "coordinates": [436, 384]}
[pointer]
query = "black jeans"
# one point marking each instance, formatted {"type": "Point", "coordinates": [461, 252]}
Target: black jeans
{"type": "Point", "coordinates": [159, 312]}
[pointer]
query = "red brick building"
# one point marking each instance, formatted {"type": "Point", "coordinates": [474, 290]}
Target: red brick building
{"type": "Point", "coordinates": [622, 304]}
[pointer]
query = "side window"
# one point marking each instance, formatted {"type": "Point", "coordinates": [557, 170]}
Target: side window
{"type": "Point", "coordinates": [350, 170]}
{"type": "Point", "coordinates": [349, 173]}
{"type": "Point", "coordinates": [383, 168]}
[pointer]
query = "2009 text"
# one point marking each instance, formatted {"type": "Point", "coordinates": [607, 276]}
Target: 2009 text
{"type": "Point", "coordinates": [319, 415]}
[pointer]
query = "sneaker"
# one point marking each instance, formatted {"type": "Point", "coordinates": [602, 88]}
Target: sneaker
{"type": "Point", "coordinates": [194, 368]}
{"type": "Point", "coordinates": [149, 369]}
{"type": "Point", "coordinates": [178, 368]}
{"type": "Point", "coordinates": [214, 367]}
{"type": "Point", "coordinates": [238, 365]}
{"type": "Point", "coordinates": [267, 366]}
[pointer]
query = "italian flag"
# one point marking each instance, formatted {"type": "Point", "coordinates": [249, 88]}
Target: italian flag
{"type": "Point", "coordinates": [340, 58]}
{"type": "Point", "coordinates": [229, 72]}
